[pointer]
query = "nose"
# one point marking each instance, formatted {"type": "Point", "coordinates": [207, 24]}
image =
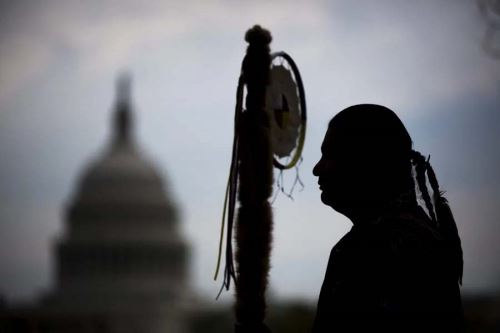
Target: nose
{"type": "Point", "coordinates": [317, 168]}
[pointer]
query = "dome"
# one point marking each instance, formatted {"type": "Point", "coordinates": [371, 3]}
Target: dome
{"type": "Point", "coordinates": [122, 249]}
{"type": "Point", "coordinates": [121, 181]}
{"type": "Point", "coordinates": [124, 163]}
{"type": "Point", "coordinates": [121, 174]}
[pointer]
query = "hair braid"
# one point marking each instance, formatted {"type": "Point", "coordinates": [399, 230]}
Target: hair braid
{"type": "Point", "coordinates": [420, 168]}
{"type": "Point", "coordinates": [447, 226]}
{"type": "Point", "coordinates": [412, 192]}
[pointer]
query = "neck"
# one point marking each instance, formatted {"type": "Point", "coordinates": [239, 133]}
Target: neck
{"type": "Point", "coordinates": [366, 211]}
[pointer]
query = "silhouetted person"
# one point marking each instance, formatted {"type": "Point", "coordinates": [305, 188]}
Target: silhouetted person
{"type": "Point", "coordinates": [398, 269]}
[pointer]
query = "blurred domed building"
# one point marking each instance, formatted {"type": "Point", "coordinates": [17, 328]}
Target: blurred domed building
{"type": "Point", "coordinates": [121, 264]}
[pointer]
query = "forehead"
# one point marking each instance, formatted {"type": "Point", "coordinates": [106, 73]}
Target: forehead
{"type": "Point", "coordinates": [339, 142]}
{"type": "Point", "coordinates": [327, 140]}
{"type": "Point", "coordinates": [336, 136]}
{"type": "Point", "coordinates": [332, 141]}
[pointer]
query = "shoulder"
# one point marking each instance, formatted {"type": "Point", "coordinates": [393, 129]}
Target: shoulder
{"type": "Point", "coordinates": [406, 230]}
{"type": "Point", "coordinates": [401, 240]}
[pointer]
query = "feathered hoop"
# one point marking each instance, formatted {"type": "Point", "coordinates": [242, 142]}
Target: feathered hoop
{"type": "Point", "coordinates": [269, 129]}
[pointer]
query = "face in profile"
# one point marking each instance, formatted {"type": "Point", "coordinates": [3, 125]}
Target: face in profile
{"type": "Point", "coordinates": [339, 172]}
{"type": "Point", "coordinates": [364, 160]}
{"type": "Point", "coordinates": [323, 170]}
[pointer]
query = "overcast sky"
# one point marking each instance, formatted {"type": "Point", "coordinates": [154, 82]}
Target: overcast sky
{"type": "Point", "coordinates": [59, 61]}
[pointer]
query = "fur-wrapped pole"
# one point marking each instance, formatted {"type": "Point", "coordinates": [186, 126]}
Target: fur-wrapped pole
{"type": "Point", "coordinates": [254, 219]}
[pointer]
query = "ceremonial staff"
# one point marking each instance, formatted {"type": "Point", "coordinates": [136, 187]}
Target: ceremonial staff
{"type": "Point", "coordinates": [269, 130]}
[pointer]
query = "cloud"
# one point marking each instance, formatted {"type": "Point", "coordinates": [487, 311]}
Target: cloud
{"type": "Point", "coordinates": [407, 55]}
{"type": "Point", "coordinates": [363, 52]}
{"type": "Point", "coordinates": [107, 36]}
{"type": "Point", "coordinates": [23, 57]}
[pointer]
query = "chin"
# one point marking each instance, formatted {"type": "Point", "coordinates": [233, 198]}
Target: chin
{"type": "Point", "coordinates": [324, 198]}
{"type": "Point", "coordinates": [327, 200]}
{"type": "Point", "coordinates": [332, 202]}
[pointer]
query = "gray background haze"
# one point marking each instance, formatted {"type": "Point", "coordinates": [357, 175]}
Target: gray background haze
{"type": "Point", "coordinates": [59, 61]}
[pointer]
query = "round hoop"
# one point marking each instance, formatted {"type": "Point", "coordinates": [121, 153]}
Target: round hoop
{"type": "Point", "coordinates": [303, 113]}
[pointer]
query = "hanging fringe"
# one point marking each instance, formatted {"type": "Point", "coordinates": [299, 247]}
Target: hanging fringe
{"type": "Point", "coordinates": [230, 198]}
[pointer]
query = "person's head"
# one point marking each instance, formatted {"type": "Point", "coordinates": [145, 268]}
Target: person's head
{"type": "Point", "coordinates": [366, 159]}
{"type": "Point", "coordinates": [366, 163]}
